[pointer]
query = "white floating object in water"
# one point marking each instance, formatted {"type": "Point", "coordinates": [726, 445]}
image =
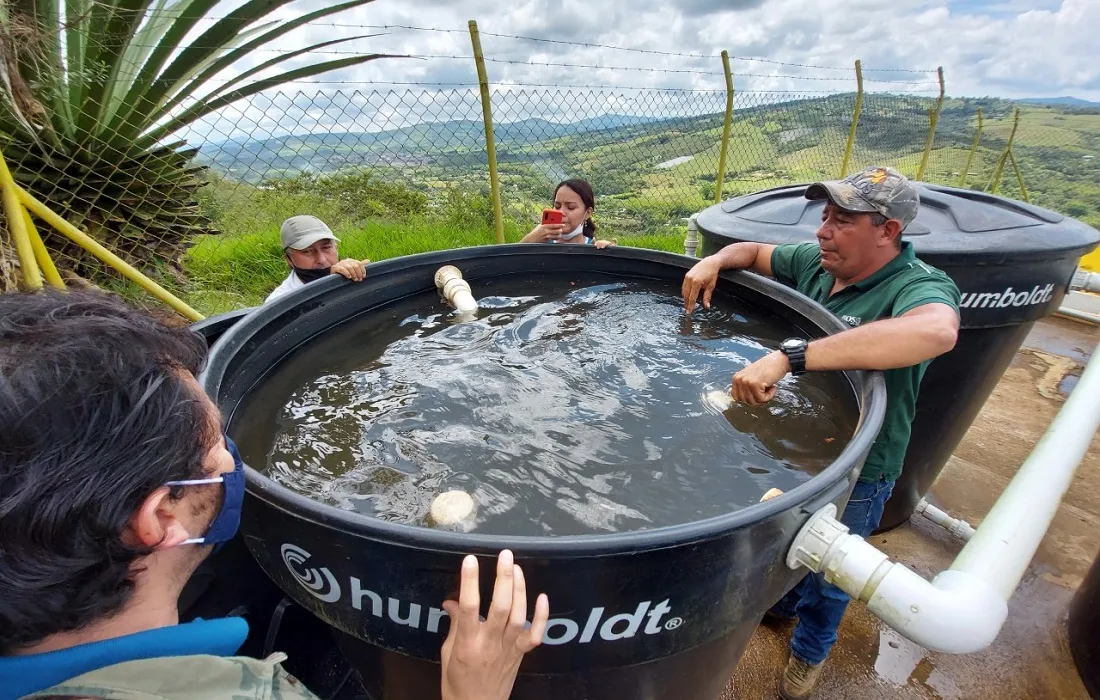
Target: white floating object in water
{"type": "Point", "coordinates": [772, 493]}
{"type": "Point", "coordinates": [455, 289]}
{"type": "Point", "coordinates": [720, 400]}
{"type": "Point", "coordinates": [452, 508]}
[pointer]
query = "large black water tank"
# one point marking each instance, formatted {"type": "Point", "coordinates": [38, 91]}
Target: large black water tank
{"type": "Point", "coordinates": [1012, 262]}
{"type": "Point", "coordinates": [660, 614]}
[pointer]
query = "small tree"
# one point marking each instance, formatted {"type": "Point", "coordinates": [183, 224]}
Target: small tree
{"type": "Point", "coordinates": [94, 92]}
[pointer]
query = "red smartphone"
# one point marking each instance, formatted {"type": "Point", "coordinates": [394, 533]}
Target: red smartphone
{"type": "Point", "coordinates": [552, 216]}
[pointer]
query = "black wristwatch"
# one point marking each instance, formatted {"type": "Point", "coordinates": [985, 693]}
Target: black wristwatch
{"type": "Point", "coordinates": [795, 350]}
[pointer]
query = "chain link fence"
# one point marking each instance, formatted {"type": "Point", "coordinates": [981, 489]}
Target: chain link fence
{"type": "Point", "coordinates": [396, 172]}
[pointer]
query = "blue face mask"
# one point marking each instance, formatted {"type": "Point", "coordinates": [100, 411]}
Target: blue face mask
{"type": "Point", "coordinates": [225, 523]}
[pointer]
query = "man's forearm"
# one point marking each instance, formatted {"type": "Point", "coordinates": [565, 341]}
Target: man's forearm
{"type": "Point", "coordinates": [887, 344]}
{"type": "Point", "coordinates": [738, 256]}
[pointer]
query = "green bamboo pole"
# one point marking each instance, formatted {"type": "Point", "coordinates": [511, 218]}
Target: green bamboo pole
{"type": "Point", "coordinates": [999, 170]}
{"type": "Point", "coordinates": [973, 149]}
{"type": "Point", "coordinates": [100, 251]}
{"type": "Point", "coordinates": [1019, 177]}
{"type": "Point", "coordinates": [933, 120]}
{"type": "Point", "coordinates": [17, 226]}
{"type": "Point", "coordinates": [41, 254]}
{"type": "Point", "coordinates": [490, 145]}
{"type": "Point", "coordinates": [727, 124]}
{"type": "Point", "coordinates": [855, 121]}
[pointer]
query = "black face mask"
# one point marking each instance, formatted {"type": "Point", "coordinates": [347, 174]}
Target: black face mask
{"type": "Point", "coordinates": [312, 274]}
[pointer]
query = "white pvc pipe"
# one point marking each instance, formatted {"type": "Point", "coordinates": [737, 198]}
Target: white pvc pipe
{"type": "Point", "coordinates": [956, 526]}
{"type": "Point", "coordinates": [1078, 315]}
{"type": "Point", "coordinates": [455, 289]}
{"type": "Point", "coordinates": [963, 609]}
{"type": "Point", "coordinates": [1009, 535]}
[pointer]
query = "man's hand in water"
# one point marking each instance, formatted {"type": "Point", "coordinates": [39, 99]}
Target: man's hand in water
{"type": "Point", "coordinates": [756, 384]}
{"type": "Point", "coordinates": [481, 659]}
{"type": "Point", "coordinates": [701, 278]}
{"type": "Point", "coordinates": [353, 269]}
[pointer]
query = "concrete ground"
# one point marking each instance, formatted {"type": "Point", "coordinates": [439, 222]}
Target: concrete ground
{"type": "Point", "coordinates": [1030, 659]}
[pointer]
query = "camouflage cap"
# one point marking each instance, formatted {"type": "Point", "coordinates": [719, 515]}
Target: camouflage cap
{"type": "Point", "coordinates": [874, 189]}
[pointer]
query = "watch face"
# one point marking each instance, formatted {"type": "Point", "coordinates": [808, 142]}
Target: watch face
{"type": "Point", "coordinates": [793, 344]}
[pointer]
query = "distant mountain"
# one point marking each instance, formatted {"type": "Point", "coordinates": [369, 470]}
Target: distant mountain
{"type": "Point", "coordinates": [1066, 101]}
{"type": "Point", "coordinates": [457, 143]}
{"type": "Point", "coordinates": [611, 121]}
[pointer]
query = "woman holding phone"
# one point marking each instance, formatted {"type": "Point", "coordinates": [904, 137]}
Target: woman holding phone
{"type": "Point", "coordinates": [570, 221]}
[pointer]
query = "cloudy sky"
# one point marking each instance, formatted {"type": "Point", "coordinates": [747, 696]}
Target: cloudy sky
{"type": "Point", "coordinates": [1010, 48]}
{"type": "Point", "coordinates": [1014, 48]}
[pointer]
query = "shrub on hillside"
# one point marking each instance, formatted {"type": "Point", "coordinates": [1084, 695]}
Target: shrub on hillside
{"type": "Point", "coordinates": [356, 195]}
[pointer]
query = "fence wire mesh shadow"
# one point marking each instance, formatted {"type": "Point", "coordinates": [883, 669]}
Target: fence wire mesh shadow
{"type": "Point", "coordinates": [400, 172]}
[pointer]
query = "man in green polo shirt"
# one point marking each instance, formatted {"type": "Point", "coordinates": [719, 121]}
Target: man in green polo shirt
{"type": "Point", "coordinates": [902, 313]}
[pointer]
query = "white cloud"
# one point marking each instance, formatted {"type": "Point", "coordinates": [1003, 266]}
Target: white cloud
{"type": "Point", "coordinates": [987, 47]}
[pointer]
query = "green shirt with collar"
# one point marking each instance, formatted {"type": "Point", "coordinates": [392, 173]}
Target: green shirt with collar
{"type": "Point", "coordinates": [900, 286]}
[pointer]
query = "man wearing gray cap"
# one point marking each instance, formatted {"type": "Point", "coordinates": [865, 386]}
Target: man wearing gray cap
{"type": "Point", "coordinates": [902, 313]}
{"type": "Point", "coordinates": [310, 249]}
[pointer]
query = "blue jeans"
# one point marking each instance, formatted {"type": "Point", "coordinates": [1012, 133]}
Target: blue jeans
{"type": "Point", "coordinates": [819, 606]}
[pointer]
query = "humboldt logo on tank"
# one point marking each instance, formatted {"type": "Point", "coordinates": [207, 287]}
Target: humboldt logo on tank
{"type": "Point", "coordinates": [1008, 298]}
{"type": "Point", "coordinates": [645, 618]}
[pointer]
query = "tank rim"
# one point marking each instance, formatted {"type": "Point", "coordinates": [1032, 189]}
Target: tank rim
{"type": "Point", "coordinates": [869, 389]}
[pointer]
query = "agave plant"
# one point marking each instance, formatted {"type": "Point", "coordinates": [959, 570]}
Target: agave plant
{"type": "Point", "coordinates": [94, 92]}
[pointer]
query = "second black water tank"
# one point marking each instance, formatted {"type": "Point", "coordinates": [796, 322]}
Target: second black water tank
{"type": "Point", "coordinates": [1011, 261]}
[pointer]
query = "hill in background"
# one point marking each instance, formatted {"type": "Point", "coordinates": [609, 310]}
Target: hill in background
{"type": "Point", "coordinates": [651, 169]}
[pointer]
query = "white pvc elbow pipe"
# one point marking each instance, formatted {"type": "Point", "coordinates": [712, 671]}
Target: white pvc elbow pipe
{"type": "Point", "coordinates": [955, 613]}
{"type": "Point", "coordinates": [963, 609]}
{"type": "Point", "coordinates": [455, 289]}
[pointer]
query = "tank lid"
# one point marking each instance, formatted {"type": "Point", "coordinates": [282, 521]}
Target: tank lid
{"type": "Point", "coordinates": [950, 220]}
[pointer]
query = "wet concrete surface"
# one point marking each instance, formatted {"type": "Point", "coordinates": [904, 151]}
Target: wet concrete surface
{"type": "Point", "coordinates": [1031, 658]}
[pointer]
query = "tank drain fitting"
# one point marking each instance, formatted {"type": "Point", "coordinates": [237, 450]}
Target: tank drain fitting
{"type": "Point", "coordinates": [455, 289]}
{"type": "Point", "coordinates": [453, 510]}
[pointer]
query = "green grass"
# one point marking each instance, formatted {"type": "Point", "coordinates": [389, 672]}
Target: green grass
{"type": "Point", "coordinates": [229, 272]}
{"type": "Point", "coordinates": [1058, 151]}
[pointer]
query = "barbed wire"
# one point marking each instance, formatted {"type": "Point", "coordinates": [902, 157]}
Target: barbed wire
{"type": "Point", "coordinates": [560, 86]}
{"type": "Point", "coordinates": [493, 85]}
{"type": "Point", "coordinates": [581, 44]}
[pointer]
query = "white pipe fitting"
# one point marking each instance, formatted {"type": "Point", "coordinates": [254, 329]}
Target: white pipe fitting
{"type": "Point", "coordinates": [956, 526]}
{"type": "Point", "coordinates": [963, 609]}
{"type": "Point", "coordinates": [1085, 281]}
{"type": "Point", "coordinates": [957, 613]}
{"type": "Point", "coordinates": [691, 243]}
{"type": "Point", "coordinates": [455, 289]}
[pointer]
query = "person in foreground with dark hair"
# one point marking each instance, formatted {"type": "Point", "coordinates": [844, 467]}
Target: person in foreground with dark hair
{"type": "Point", "coordinates": [576, 201]}
{"type": "Point", "coordinates": [116, 481]}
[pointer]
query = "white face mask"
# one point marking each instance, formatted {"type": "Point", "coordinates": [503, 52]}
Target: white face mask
{"type": "Point", "coordinates": [576, 232]}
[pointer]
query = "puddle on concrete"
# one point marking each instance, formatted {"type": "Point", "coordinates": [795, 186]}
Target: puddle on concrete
{"type": "Point", "coordinates": [902, 663]}
{"type": "Point", "coordinates": [897, 657]}
{"type": "Point", "coordinates": [943, 685]}
{"type": "Point", "coordinates": [1068, 382]}
{"type": "Point", "coordinates": [1051, 337]}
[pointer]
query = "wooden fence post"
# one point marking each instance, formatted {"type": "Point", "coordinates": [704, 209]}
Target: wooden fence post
{"type": "Point", "coordinates": [726, 125]}
{"type": "Point", "coordinates": [490, 145]}
{"type": "Point", "coordinates": [855, 121]}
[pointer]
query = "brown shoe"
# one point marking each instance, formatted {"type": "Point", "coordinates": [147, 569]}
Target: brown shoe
{"type": "Point", "coordinates": [799, 679]}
